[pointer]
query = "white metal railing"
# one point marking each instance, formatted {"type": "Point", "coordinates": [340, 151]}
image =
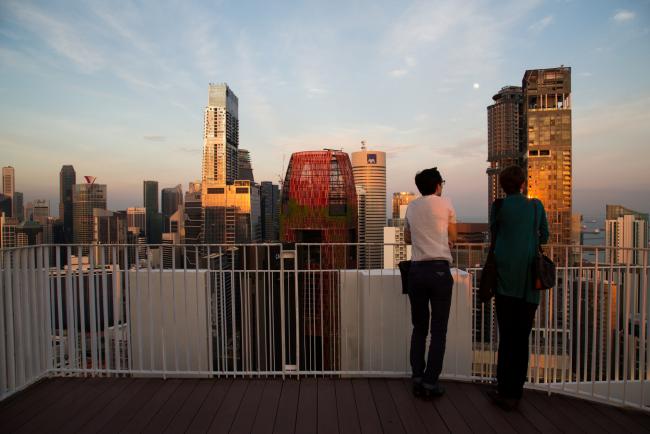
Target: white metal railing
{"type": "Point", "coordinates": [312, 309]}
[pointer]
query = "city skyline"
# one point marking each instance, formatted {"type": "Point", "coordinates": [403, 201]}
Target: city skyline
{"type": "Point", "coordinates": [96, 99]}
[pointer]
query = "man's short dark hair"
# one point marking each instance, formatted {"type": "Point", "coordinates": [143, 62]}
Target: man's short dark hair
{"type": "Point", "coordinates": [428, 180]}
{"type": "Point", "coordinates": [511, 178]}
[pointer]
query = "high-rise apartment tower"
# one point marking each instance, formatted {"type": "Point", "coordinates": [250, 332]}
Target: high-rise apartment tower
{"type": "Point", "coordinates": [9, 187]}
{"type": "Point", "coordinates": [221, 135]}
{"type": "Point", "coordinates": [547, 130]}
{"type": "Point", "coordinates": [505, 137]}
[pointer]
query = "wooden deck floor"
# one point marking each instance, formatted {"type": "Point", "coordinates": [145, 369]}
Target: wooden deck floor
{"type": "Point", "coordinates": [104, 405]}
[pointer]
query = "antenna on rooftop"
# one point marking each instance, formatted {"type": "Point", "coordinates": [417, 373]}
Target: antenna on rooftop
{"type": "Point", "coordinates": [363, 145]}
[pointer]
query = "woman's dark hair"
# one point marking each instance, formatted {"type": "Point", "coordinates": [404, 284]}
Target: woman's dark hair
{"type": "Point", "coordinates": [428, 180]}
{"type": "Point", "coordinates": [511, 179]}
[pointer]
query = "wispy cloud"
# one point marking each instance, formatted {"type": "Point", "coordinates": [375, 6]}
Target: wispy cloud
{"type": "Point", "coordinates": [154, 138]}
{"type": "Point", "coordinates": [399, 72]}
{"type": "Point", "coordinates": [541, 24]}
{"type": "Point", "coordinates": [623, 15]}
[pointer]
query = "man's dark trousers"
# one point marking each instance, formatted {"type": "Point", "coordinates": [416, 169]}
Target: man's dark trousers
{"type": "Point", "coordinates": [430, 284]}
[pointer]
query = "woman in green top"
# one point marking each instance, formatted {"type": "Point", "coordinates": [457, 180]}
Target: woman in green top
{"type": "Point", "coordinates": [517, 241]}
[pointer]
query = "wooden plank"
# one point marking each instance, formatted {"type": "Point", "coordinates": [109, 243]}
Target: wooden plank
{"type": "Point", "coordinates": [390, 420]}
{"type": "Point", "coordinates": [210, 406]}
{"type": "Point", "coordinates": [432, 421]}
{"type": "Point", "coordinates": [471, 414]}
{"type": "Point", "coordinates": [54, 415]}
{"type": "Point", "coordinates": [146, 413]}
{"type": "Point", "coordinates": [346, 407]}
{"type": "Point", "coordinates": [492, 414]}
{"type": "Point", "coordinates": [228, 409]}
{"type": "Point", "coordinates": [265, 418]}
{"type": "Point", "coordinates": [94, 407]}
{"type": "Point", "coordinates": [131, 408]}
{"type": "Point", "coordinates": [454, 420]}
{"type": "Point", "coordinates": [190, 408]}
{"type": "Point", "coordinates": [166, 413]}
{"type": "Point", "coordinates": [328, 421]}
{"type": "Point", "coordinates": [536, 418]}
{"type": "Point", "coordinates": [368, 417]}
{"type": "Point", "coordinates": [405, 406]}
{"type": "Point", "coordinates": [551, 412]}
{"type": "Point", "coordinates": [285, 419]}
{"type": "Point", "coordinates": [622, 418]}
{"type": "Point", "coordinates": [306, 419]}
{"type": "Point", "coordinates": [108, 413]}
{"type": "Point", "coordinates": [639, 417]}
{"type": "Point", "coordinates": [582, 406]}
{"type": "Point", "coordinates": [248, 408]}
{"type": "Point", "coordinates": [34, 399]}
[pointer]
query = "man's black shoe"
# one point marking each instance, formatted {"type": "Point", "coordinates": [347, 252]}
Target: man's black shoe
{"type": "Point", "coordinates": [507, 404]}
{"type": "Point", "coordinates": [433, 390]}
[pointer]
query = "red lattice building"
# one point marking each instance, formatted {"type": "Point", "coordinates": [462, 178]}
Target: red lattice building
{"type": "Point", "coordinates": [319, 205]}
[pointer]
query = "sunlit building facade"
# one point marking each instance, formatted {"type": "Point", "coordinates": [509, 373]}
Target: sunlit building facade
{"type": "Point", "coordinates": [401, 198]}
{"type": "Point", "coordinates": [221, 135]}
{"type": "Point", "coordinates": [547, 129]}
{"type": "Point", "coordinates": [626, 232]}
{"type": "Point", "coordinates": [86, 198]}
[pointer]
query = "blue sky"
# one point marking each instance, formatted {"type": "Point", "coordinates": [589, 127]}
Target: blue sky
{"type": "Point", "coordinates": [118, 88]}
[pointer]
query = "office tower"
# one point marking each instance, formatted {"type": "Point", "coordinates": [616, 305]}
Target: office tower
{"type": "Point", "coordinates": [369, 169]}
{"type": "Point", "coordinates": [7, 231]}
{"type": "Point", "coordinates": [172, 256]}
{"type": "Point", "coordinates": [9, 186]}
{"type": "Point", "coordinates": [547, 128]}
{"type": "Point", "coordinates": [85, 198]}
{"type": "Point", "coordinates": [37, 210]}
{"type": "Point", "coordinates": [270, 211]}
{"type": "Point", "coordinates": [137, 220]}
{"type": "Point", "coordinates": [626, 231]}
{"type": "Point", "coordinates": [194, 216]}
{"type": "Point", "coordinates": [5, 204]}
{"type": "Point", "coordinates": [154, 227]}
{"type": "Point", "coordinates": [29, 233]}
{"type": "Point", "coordinates": [110, 227]}
{"type": "Point", "coordinates": [505, 137]}
{"type": "Point", "coordinates": [19, 208]}
{"type": "Point", "coordinates": [395, 247]}
{"type": "Point", "coordinates": [221, 135]}
{"type": "Point", "coordinates": [230, 213]}
{"type": "Point", "coordinates": [401, 198]}
{"type": "Point", "coordinates": [245, 168]}
{"type": "Point", "coordinates": [319, 205]}
{"type": "Point", "coordinates": [172, 199]}
{"type": "Point", "coordinates": [67, 178]}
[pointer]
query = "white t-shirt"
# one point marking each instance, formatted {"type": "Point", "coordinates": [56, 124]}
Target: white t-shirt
{"type": "Point", "coordinates": [428, 219]}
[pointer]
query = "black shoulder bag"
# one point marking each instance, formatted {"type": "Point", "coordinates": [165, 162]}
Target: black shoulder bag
{"type": "Point", "coordinates": [488, 283]}
{"type": "Point", "coordinates": [543, 267]}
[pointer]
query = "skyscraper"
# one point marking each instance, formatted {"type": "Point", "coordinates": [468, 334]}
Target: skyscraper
{"type": "Point", "coordinates": [221, 135]}
{"type": "Point", "coordinates": [369, 168]}
{"type": "Point", "coordinates": [230, 213]}
{"type": "Point", "coordinates": [67, 178]}
{"type": "Point", "coordinates": [37, 210]}
{"type": "Point", "coordinates": [245, 168]}
{"type": "Point", "coordinates": [172, 199]}
{"type": "Point", "coordinates": [626, 231]}
{"type": "Point", "coordinates": [154, 228]}
{"type": "Point", "coordinates": [85, 198]}
{"type": "Point", "coordinates": [505, 136]}
{"type": "Point", "coordinates": [19, 208]}
{"type": "Point", "coordinates": [9, 186]}
{"type": "Point", "coordinates": [401, 198]}
{"type": "Point", "coordinates": [194, 212]}
{"type": "Point", "coordinates": [547, 130]}
{"type": "Point", "coordinates": [270, 211]}
{"type": "Point", "coordinates": [136, 219]}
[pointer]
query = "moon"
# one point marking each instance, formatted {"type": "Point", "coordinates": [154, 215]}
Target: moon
{"type": "Point", "coordinates": [476, 86]}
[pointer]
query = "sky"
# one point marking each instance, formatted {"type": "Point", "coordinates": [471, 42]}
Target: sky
{"type": "Point", "coordinates": [118, 89]}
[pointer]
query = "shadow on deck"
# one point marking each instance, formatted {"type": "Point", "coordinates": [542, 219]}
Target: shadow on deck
{"type": "Point", "coordinates": [309, 405]}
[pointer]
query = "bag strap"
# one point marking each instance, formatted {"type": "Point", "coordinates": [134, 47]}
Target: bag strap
{"type": "Point", "coordinates": [535, 228]}
{"type": "Point", "coordinates": [493, 233]}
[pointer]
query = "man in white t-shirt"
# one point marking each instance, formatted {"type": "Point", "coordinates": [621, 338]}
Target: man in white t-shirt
{"type": "Point", "coordinates": [431, 229]}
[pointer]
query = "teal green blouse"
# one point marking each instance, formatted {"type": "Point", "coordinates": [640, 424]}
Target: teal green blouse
{"type": "Point", "coordinates": [516, 244]}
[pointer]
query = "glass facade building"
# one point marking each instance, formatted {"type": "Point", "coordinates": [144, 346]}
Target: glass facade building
{"type": "Point", "coordinates": [67, 179]}
{"type": "Point", "coordinates": [86, 198]}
